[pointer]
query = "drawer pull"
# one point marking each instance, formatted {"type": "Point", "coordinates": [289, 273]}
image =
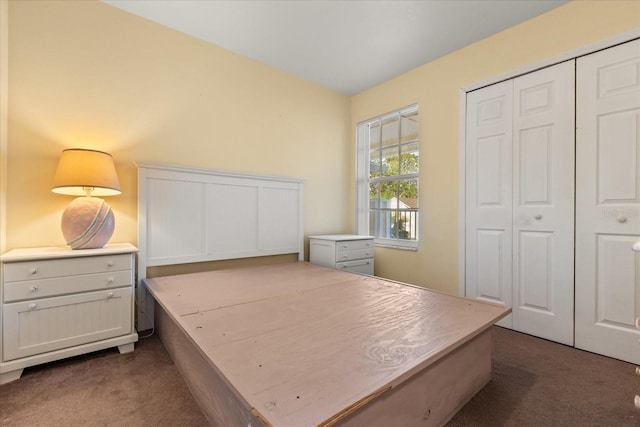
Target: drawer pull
{"type": "Point", "coordinates": [34, 289]}
{"type": "Point", "coordinates": [32, 306]}
{"type": "Point", "coordinates": [111, 280]}
{"type": "Point", "coordinates": [110, 295]}
{"type": "Point", "coordinates": [110, 264]}
{"type": "Point", "coordinates": [33, 270]}
{"type": "Point", "coordinates": [343, 267]}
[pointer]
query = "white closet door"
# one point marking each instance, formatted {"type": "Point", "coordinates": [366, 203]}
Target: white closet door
{"type": "Point", "coordinates": [543, 202]}
{"type": "Point", "coordinates": [489, 195]}
{"type": "Point", "coordinates": [608, 202]}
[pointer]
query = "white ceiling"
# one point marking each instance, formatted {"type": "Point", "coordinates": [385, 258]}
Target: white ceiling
{"type": "Point", "coordinates": [344, 45]}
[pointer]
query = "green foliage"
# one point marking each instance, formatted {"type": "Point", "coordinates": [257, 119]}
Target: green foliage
{"type": "Point", "coordinates": [394, 166]}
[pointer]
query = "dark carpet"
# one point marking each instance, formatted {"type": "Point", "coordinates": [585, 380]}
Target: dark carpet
{"type": "Point", "coordinates": [540, 383]}
{"type": "Point", "coordinates": [535, 383]}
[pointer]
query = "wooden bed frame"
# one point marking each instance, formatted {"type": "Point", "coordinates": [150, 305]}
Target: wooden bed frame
{"type": "Point", "coordinates": [296, 344]}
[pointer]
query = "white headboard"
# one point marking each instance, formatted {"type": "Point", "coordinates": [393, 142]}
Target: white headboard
{"type": "Point", "coordinates": [190, 215]}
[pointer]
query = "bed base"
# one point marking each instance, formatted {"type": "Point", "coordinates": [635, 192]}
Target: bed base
{"type": "Point", "coordinates": [216, 397]}
{"type": "Point", "coordinates": [431, 397]}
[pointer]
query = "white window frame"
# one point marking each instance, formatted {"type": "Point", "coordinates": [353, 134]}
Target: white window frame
{"type": "Point", "coordinates": [362, 183]}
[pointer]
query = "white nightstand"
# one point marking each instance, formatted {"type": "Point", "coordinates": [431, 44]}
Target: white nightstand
{"type": "Point", "coordinates": [58, 302]}
{"type": "Point", "coordinates": [347, 252]}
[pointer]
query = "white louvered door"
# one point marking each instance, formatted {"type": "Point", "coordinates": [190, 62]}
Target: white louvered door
{"type": "Point", "coordinates": [608, 202]}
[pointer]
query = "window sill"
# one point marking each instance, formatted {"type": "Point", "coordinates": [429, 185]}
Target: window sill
{"type": "Point", "coordinates": [391, 244]}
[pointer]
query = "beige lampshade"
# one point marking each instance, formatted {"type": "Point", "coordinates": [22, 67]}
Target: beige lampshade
{"type": "Point", "coordinates": [80, 170]}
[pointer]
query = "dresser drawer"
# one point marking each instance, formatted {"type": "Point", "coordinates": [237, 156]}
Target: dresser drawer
{"type": "Point", "coordinates": [362, 266]}
{"type": "Point", "coordinates": [33, 289]}
{"type": "Point", "coordinates": [48, 324]}
{"type": "Point", "coordinates": [349, 245]}
{"type": "Point", "coordinates": [42, 269]}
{"type": "Point", "coordinates": [354, 254]}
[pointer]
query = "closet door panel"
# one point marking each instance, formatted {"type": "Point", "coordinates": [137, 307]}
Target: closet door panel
{"type": "Point", "coordinates": [490, 279]}
{"type": "Point", "coordinates": [543, 202]}
{"type": "Point", "coordinates": [489, 195]}
{"type": "Point", "coordinates": [617, 299]}
{"type": "Point", "coordinates": [536, 290]}
{"type": "Point", "coordinates": [618, 158]}
{"type": "Point", "coordinates": [535, 165]}
{"type": "Point", "coordinates": [608, 202]}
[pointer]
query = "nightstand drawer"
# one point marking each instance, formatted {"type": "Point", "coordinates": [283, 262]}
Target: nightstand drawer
{"type": "Point", "coordinates": [33, 289]}
{"type": "Point", "coordinates": [349, 245]}
{"type": "Point", "coordinates": [48, 324]}
{"type": "Point", "coordinates": [42, 269]}
{"type": "Point", "coordinates": [354, 254]}
{"type": "Point", "coordinates": [362, 266]}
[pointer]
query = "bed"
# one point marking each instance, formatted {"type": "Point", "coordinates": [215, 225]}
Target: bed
{"type": "Point", "coordinates": [286, 342]}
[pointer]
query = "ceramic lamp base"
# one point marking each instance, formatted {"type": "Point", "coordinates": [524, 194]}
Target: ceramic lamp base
{"type": "Point", "coordinates": [87, 223]}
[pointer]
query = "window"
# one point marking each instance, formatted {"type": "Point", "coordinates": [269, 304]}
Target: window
{"type": "Point", "coordinates": [387, 178]}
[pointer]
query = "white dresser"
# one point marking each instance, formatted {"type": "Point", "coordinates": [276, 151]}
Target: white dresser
{"type": "Point", "coordinates": [347, 252]}
{"type": "Point", "coordinates": [58, 302]}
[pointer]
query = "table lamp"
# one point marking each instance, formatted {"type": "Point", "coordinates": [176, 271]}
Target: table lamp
{"type": "Point", "coordinates": [88, 222]}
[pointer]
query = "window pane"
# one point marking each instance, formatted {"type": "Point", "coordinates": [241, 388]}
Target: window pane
{"type": "Point", "coordinates": [409, 158]}
{"type": "Point", "coordinates": [405, 225]}
{"type": "Point", "coordinates": [375, 167]}
{"type": "Point", "coordinates": [374, 196]}
{"type": "Point", "coordinates": [374, 135]}
{"type": "Point", "coordinates": [408, 189]}
{"type": "Point", "coordinates": [395, 234]}
{"type": "Point", "coordinates": [388, 194]}
{"type": "Point", "coordinates": [407, 214]}
{"type": "Point", "coordinates": [385, 224]}
{"type": "Point", "coordinates": [390, 131]}
{"type": "Point", "coordinates": [389, 165]}
{"type": "Point", "coordinates": [409, 127]}
{"type": "Point", "coordinates": [374, 223]}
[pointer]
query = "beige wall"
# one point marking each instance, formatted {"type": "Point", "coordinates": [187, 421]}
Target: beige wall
{"type": "Point", "coordinates": [4, 82]}
{"type": "Point", "coordinates": [435, 87]}
{"type": "Point", "coordinates": [85, 74]}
